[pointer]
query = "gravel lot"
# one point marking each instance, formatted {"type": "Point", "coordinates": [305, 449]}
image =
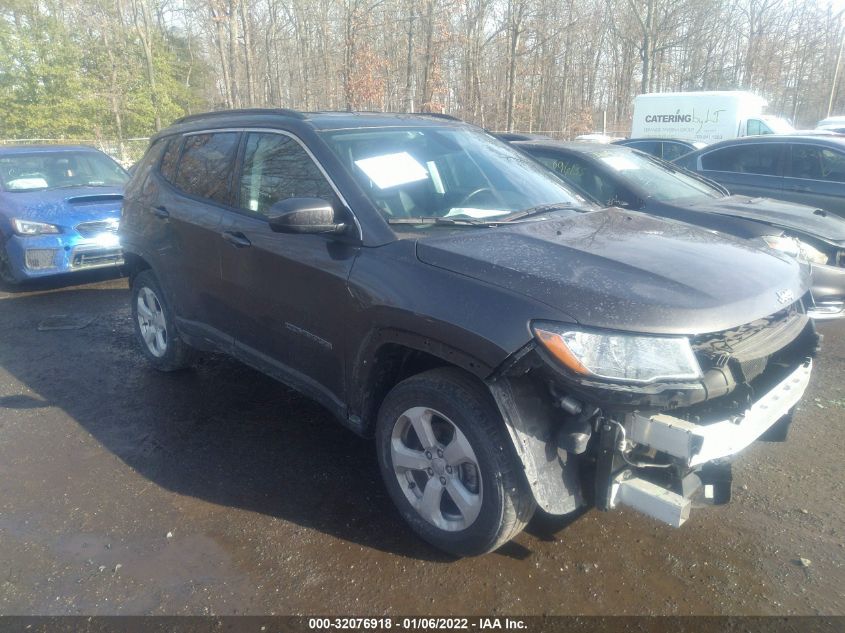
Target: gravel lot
{"type": "Point", "coordinates": [216, 490]}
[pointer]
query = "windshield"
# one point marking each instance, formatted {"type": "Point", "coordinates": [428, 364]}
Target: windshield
{"type": "Point", "coordinates": [52, 170]}
{"type": "Point", "coordinates": [658, 181]}
{"type": "Point", "coordinates": [440, 172]}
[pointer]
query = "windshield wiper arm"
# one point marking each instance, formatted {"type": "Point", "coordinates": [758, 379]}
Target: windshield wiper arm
{"type": "Point", "coordinates": [543, 208]}
{"type": "Point", "coordinates": [442, 220]}
{"type": "Point", "coordinates": [79, 185]}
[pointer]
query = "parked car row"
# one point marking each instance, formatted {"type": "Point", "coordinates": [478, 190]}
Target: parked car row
{"type": "Point", "coordinates": [613, 176]}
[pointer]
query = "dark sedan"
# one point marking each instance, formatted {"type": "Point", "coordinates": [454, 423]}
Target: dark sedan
{"type": "Point", "coordinates": [619, 176]}
{"type": "Point", "coordinates": [808, 169]}
{"type": "Point", "coordinates": [665, 148]}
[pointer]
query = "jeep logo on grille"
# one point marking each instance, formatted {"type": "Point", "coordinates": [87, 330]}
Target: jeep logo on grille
{"type": "Point", "coordinates": [785, 296]}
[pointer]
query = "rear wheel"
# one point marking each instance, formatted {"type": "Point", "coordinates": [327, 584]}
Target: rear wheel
{"type": "Point", "coordinates": [448, 464]}
{"type": "Point", "coordinates": [154, 325]}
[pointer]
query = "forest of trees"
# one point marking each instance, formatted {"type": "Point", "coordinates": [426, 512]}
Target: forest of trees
{"type": "Point", "coordinates": [117, 69]}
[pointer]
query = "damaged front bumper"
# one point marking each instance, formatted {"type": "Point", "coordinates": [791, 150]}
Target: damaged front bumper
{"type": "Point", "coordinates": [696, 444]}
{"type": "Point", "coordinates": [691, 445]}
{"type": "Point", "coordinates": [659, 448]}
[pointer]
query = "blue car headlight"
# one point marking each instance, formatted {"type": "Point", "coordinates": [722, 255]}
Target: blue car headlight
{"type": "Point", "coordinates": [795, 247]}
{"type": "Point", "coordinates": [30, 227]}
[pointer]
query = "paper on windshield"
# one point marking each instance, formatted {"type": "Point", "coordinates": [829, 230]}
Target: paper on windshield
{"type": "Point", "coordinates": [391, 170]}
{"type": "Point", "coordinates": [619, 163]}
{"type": "Point", "coordinates": [32, 182]}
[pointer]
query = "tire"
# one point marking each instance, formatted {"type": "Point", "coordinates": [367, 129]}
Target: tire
{"type": "Point", "coordinates": [6, 274]}
{"type": "Point", "coordinates": [155, 328]}
{"type": "Point", "coordinates": [469, 449]}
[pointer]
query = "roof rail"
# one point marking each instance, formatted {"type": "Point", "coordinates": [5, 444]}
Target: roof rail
{"type": "Point", "coordinates": [217, 113]}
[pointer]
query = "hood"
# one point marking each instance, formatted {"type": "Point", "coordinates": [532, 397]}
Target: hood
{"type": "Point", "coordinates": [63, 207]}
{"type": "Point", "coordinates": [626, 271]}
{"type": "Point", "coordinates": [778, 213]}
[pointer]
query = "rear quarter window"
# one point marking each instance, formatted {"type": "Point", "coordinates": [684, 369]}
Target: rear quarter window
{"type": "Point", "coordinates": [150, 159]}
{"type": "Point", "coordinates": [816, 163]}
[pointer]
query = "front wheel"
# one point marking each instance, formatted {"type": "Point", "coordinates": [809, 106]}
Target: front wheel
{"type": "Point", "coordinates": [448, 464]}
{"type": "Point", "coordinates": [154, 325]}
{"type": "Point", "coordinates": [6, 274]}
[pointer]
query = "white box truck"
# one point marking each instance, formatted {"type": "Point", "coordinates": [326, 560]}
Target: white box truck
{"type": "Point", "coordinates": [703, 116]}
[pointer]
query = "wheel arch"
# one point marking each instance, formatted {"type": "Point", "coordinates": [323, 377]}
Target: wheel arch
{"type": "Point", "coordinates": [134, 264]}
{"type": "Point", "coordinates": [389, 356]}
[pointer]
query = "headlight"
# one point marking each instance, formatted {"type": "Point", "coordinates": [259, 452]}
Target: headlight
{"type": "Point", "coordinates": [622, 357]}
{"type": "Point", "coordinates": [28, 227]}
{"type": "Point", "coordinates": [796, 248]}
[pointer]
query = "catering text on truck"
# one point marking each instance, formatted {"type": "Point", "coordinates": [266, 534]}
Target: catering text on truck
{"type": "Point", "coordinates": [703, 116]}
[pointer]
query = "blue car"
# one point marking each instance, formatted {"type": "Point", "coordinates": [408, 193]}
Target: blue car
{"type": "Point", "coordinates": [59, 210]}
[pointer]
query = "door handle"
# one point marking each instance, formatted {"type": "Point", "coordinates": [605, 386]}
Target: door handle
{"type": "Point", "coordinates": [161, 212]}
{"type": "Point", "coordinates": [236, 238]}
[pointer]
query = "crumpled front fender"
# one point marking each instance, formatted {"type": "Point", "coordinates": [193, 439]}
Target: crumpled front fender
{"type": "Point", "coordinates": [532, 424]}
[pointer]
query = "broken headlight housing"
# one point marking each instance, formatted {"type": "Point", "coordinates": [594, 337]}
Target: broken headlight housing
{"type": "Point", "coordinates": [619, 357]}
{"type": "Point", "coordinates": [795, 247]}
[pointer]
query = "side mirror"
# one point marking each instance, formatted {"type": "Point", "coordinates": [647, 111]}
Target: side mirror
{"type": "Point", "coordinates": [305, 215]}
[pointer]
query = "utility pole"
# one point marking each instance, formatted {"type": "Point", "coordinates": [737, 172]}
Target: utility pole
{"type": "Point", "coordinates": [835, 76]}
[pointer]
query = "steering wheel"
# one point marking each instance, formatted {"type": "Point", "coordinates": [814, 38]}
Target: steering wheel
{"type": "Point", "coordinates": [474, 193]}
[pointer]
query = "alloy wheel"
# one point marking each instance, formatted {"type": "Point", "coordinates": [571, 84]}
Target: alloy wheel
{"type": "Point", "coordinates": [151, 321]}
{"type": "Point", "coordinates": [436, 468]}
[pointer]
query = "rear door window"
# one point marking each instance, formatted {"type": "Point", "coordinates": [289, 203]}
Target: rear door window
{"type": "Point", "coordinates": [206, 165]}
{"type": "Point", "coordinates": [275, 167]}
{"type": "Point", "coordinates": [761, 158]}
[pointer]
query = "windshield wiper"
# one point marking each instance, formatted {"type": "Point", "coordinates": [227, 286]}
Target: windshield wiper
{"type": "Point", "coordinates": [81, 184]}
{"type": "Point", "coordinates": [543, 208]}
{"type": "Point", "coordinates": [442, 220]}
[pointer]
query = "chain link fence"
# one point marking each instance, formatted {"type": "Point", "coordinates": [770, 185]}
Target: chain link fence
{"type": "Point", "coordinates": [126, 152]}
{"type": "Point", "coordinates": [568, 135]}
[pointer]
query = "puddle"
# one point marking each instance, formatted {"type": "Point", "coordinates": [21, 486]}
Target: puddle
{"type": "Point", "coordinates": [64, 322]}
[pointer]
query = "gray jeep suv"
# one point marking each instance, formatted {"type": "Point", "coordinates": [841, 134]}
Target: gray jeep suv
{"type": "Point", "coordinates": [507, 345]}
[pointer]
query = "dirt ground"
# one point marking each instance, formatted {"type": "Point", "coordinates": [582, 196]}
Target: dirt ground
{"type": "Point", "coordinates": [218, 491]}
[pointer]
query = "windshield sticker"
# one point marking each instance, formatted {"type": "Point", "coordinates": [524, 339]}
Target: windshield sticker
{"type": "Point", "coordinates": [391, 170]}
{"type": "Point", "coordinates": [619, 163]}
